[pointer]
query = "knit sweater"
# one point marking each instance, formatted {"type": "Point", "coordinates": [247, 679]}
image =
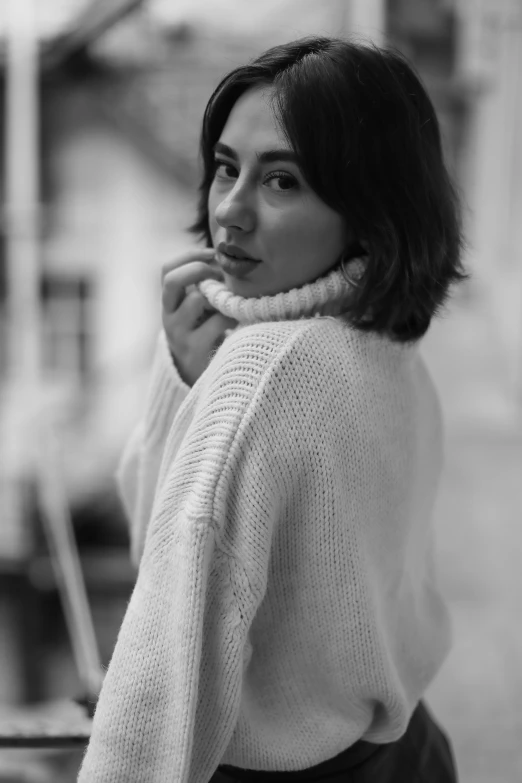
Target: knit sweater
{"type": "Point", "coordinates": [286, 602]}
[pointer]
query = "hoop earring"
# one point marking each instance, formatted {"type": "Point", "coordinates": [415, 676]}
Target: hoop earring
{"type": "Point", "coordinates": [350, 280]}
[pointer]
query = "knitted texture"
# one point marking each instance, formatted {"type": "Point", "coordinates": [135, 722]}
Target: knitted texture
{"type": "Point", "coordinates": [286, 602]}
{"type": "Point", "coordinates": [328, 295]}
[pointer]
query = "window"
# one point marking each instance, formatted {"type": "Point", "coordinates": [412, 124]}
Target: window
{"type": "Point", "coordinates": [66, 325]}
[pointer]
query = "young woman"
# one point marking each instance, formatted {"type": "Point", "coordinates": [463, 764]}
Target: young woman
{"type": "Point", "coordinates": [286, 619]}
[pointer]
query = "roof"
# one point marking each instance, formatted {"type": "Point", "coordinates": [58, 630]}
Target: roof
{"type": "Point", "coordinates": [83, 29]}
{"type": "Point", "coordinates": [164, 102]}
{"type": "Point", "coordinates": [151, 82]}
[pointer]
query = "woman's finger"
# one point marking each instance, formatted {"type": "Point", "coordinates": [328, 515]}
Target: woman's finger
{"type": "Point", "coordinates": [177, 280]}
{"type": "Point", "coordinates": [194, 310]}
{"type": "Point", "coordinates": [215, 327]}
{"type": "Point", "coordinates": [194, 254]}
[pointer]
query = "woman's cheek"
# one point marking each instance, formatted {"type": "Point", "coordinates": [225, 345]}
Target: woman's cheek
{"type": "Point", "coordinates": [212, 223]}
{"type": "Point", "coordinates": [211, 206]}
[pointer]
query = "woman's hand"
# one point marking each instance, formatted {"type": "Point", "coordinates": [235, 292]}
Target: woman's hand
{"type": "Point", "coordinates": [193, 328]}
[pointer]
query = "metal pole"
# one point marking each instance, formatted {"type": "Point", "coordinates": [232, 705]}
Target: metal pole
{"type": "Point", "coordinates": [19, 392]}
{"type": "Point", "coordinates": [22, 274]}
{"type": "Point", "coordinates": [21, 307]}
{"type": "Point", "coordinates": [66, 564]}
{"type": "Point", "coordinates": [22, 198]}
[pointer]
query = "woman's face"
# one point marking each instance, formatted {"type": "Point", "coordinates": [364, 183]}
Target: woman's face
{"type": "Point", "coordinates": [261, 208]}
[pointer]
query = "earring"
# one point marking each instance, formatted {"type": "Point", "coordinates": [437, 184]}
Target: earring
{"type": "Point", "coordinates": [350, 280]}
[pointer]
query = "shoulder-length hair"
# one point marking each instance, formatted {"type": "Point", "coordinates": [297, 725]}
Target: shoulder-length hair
{"type": "Point", "coordinates": [369, 144]}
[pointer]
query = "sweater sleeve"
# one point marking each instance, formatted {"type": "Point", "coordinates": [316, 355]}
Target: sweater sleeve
{"type": "Point", "coordinates": [171, 696]}
{"type": "Point", "coordinates": [141, 459]}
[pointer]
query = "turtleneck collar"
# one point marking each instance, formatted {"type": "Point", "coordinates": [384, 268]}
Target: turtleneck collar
{"type": "Point", "coordinates": [329, 295]}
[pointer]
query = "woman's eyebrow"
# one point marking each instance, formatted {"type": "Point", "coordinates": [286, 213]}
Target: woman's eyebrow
{"type": "Point", "coordinates": [269, 156]}
{"type": "Point", "coordinates": [224, 149]}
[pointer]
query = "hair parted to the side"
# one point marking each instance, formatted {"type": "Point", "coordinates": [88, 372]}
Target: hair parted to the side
{"type": "Point", "coordinates": [368, 142]}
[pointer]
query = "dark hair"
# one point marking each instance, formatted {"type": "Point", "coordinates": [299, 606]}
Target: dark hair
{"type": "Point", "coordinates": [368, 141]}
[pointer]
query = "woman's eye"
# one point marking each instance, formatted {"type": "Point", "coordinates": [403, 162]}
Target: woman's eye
{"type": "Point", "coordinates": [224, 170]}
{"type": "Point", "coordinates": [281, 181]}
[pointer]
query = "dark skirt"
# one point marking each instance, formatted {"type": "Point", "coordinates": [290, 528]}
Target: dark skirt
{"type": "Point", "coordinates": [422, 755]}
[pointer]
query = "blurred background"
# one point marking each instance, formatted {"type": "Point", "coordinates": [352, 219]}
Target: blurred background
{"type": "Point", "coordinates": [101, 102]}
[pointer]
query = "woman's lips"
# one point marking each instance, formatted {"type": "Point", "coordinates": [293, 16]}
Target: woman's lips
{"type": "Point", "coordinates": [237, 267]}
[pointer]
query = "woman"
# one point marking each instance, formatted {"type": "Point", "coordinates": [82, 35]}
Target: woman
{"type": "Point", "coordinates": [286, 619]}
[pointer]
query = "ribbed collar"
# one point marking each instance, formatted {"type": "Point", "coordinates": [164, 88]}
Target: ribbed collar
{"type": "Point", "coordinates": [329, 295]}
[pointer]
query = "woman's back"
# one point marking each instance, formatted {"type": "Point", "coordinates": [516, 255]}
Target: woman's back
{"type": "Point", "coordinates": [342, 442]}
{"type": "Point", "coordinates": [321, 455]}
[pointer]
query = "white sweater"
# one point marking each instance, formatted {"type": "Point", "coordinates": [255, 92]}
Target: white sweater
{"type": "Point", "coordinates": [286, 603]}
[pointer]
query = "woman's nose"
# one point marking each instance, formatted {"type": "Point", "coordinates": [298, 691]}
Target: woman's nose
{"type": "Point", "coordinates": [235, 210]}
